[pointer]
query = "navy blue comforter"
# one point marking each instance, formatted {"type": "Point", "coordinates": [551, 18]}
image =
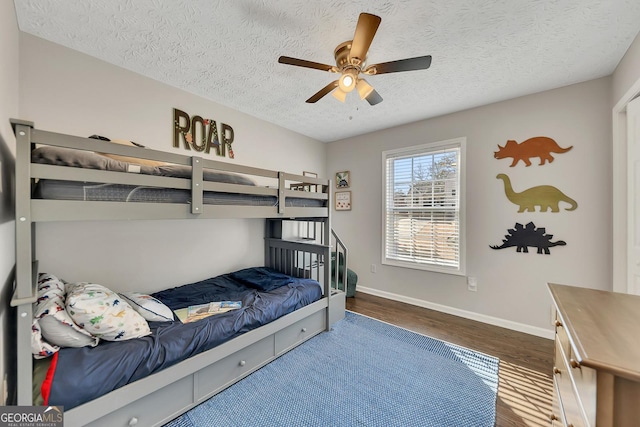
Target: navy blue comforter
{"type": "Point", "coordinates": [83, 374]}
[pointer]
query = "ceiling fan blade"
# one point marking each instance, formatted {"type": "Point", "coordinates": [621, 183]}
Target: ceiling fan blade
{"type": "Point", "coordinates": [306, 64]}
{"type": "Point", "coordinates": [374, 98]}
{"type": "Point", "coordinates": [322, 92]}
{"type": "Point", "coordinates": [365, 31]}
{"type": "Point", "coordinates": [409, 64]}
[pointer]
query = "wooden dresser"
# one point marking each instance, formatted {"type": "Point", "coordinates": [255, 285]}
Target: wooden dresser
{"type": "Point", "coordinates": [597, 361]}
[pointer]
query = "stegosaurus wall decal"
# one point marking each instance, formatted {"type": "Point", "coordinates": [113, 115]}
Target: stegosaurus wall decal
{"type": "Point", "coordinates": [524, 236]}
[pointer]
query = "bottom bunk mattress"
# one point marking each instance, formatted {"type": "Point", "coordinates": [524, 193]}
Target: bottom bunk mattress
{"type": "Point", "coordinates": [89, 191]}
{"type": "Point", "coordinates": [77, 375]}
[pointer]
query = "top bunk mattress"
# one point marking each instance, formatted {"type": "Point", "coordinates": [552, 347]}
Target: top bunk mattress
{"type": "Point", "coordinates": [93, 191]}
{"type": "Point", "coordinates": [96, 191]}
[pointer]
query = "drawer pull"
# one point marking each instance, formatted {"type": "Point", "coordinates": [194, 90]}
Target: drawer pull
{"type": "Point", "coordinates": [242, 363]}
{"type": "Point", "coordinates": [133, 421]}
{"type": "Point", "coordinates": [574, 364]}
{"type": "Point", "coordinates": [558, 324]}
{"type": "Point", "coordinates": [556, 371]}
{"type": "Point", "coordinates": [553, 417]}
{"type": "Point", "coordinates": [304, 329]}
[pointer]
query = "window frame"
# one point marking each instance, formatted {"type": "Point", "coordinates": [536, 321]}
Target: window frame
{"type": "Point", "coordinates": [422, 149]}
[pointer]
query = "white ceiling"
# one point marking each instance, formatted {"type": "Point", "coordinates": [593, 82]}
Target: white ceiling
{"type": "Point", "coordinates": [227, 51]}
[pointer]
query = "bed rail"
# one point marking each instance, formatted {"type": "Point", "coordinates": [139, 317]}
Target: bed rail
{"type": "Point", "coordinates": [297, 259]}
{"type": "Point", "coordinates": [276, 184]}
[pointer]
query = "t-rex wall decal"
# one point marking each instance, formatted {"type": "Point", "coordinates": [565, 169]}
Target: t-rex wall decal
{"type": "Point", "coordinates": [544, 196]}
{"type": "Point", "coordinates": [523, 237]}
{"type": "Point", "coordinates": [539, 146]}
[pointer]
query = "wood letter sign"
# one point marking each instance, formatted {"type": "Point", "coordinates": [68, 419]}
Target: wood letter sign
{"type": "Point", "coordinates": [201, 134]}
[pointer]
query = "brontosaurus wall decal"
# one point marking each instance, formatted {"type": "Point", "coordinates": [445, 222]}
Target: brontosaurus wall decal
{"type": "Point", "coordinates": [523, 237]}
{"type": "Point", "coordinates": [539, 146]}
{"type": "Point", "coordinates": [544, 196]}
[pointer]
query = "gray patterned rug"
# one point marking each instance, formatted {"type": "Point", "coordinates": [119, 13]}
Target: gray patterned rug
{"type": "Point", "coordinates": [362, 373]}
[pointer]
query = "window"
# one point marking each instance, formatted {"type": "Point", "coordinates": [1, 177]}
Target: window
{"type": "Point", "coordinates": [423, 214]}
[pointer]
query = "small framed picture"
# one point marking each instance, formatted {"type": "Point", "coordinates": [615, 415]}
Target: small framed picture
{"type": "Point", "coordinates": [343, 180]}
{"type": "Point", "coordinates": [343, 200]}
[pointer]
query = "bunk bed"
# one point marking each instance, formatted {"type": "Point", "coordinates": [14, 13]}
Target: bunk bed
{"type": "Point", "coordinates": [69, 178]}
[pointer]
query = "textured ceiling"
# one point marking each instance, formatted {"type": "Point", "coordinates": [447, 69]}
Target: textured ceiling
{"type": "Point", "coordinates": [226, 51]}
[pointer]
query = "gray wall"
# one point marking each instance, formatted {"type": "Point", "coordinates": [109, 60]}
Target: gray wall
{"type": "Point", "coordinates": [511, 286]}
{"type": "Point", "coordinates": [8, 109]}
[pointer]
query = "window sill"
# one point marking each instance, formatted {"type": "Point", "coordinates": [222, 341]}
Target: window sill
{"type": "Point", "coordinates": [424, 267]}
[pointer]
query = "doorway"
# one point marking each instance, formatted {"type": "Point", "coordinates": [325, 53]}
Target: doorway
{"type": "Point", "coordinates": [626, 193]}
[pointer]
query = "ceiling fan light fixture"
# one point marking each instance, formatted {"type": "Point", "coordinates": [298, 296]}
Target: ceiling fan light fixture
{"type": "Point", "coordinates": [350, 57]}
{"type": "Point", "coordinates": [364, 88]}
{"type": "Point", "coordinates": [340, 95]}
{"type": "Point", "coordinates": [347, 82]}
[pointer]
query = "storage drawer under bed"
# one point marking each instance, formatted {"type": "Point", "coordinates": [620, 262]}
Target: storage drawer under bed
{"type": "Point", "coordinates": [230, 369]}
{"type": "Point", "coordinates": [144, 411]}
{"type": "Point", "coordinates": [300, 331]}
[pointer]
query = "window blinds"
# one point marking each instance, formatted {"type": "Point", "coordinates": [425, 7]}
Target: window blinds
{"type": "Point", "coordinates": [422, 206]}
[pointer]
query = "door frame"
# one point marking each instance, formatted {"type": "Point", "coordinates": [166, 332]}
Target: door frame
{"type": "Point", "coordinates": [619, 192]}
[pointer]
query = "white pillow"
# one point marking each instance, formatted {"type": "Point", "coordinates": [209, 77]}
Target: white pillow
{"type": "Point", "coordinates": [103, 313]}
{"type": "Point", "coordinates": [52, 326]}
{"type": "Point", "coordinates": [148, 307]}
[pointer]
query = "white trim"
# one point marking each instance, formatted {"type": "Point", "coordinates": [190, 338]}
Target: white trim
{"type": "Point", "coordinates": [515, 326]}
{"type": "Point", "coordinates": [619, 190]}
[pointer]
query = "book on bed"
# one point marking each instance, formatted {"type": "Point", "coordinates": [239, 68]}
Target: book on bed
{"type": "Point", "coordinates": [201, 311]}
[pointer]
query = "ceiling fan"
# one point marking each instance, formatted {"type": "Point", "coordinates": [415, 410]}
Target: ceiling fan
{"type": "Point", "coordinates": [350, 63]}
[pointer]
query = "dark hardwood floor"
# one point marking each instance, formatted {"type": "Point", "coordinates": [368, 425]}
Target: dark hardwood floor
{"type": "Point", "coordinates": [526, 361]}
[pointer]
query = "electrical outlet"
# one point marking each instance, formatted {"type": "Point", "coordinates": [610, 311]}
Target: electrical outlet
{"type": "Point", "coordinates": [472, 283]}
{"type": "Point", "coordinates": [373, 268]}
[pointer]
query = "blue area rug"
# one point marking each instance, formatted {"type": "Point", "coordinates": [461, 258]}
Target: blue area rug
{"type": "Point", "coordinates": [362, 373]}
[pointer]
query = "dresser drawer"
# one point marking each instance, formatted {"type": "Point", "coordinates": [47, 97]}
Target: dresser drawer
{"type": "Point", "coordinates": [557, 413]}
{"type": "Point", "coordinates": [585, 381]}
{"type": "Point", "coordinates": [300, 331]}
{"type": "Point", "coordinates": [567, 394]}
{"type": "Point", "coordinates": [561, 335]}
{"type": "Point", "coordinates": [224, 372]}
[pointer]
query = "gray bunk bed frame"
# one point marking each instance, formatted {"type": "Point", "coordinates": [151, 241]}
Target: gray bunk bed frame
{"type": "Point", "coordinates": [162, 396]}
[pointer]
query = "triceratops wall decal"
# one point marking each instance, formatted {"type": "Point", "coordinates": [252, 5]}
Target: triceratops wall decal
{"type": "Point", "coordinates": [524, 236]}
{"type": "Point", "coordinates": [539, 146]}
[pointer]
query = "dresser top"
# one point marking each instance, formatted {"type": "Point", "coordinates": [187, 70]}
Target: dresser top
{"type": "Point", "coordinates": [604, 328]}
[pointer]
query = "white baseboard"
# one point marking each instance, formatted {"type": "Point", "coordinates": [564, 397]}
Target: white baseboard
{"type": "Point", "coordinates": [520, 327]}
